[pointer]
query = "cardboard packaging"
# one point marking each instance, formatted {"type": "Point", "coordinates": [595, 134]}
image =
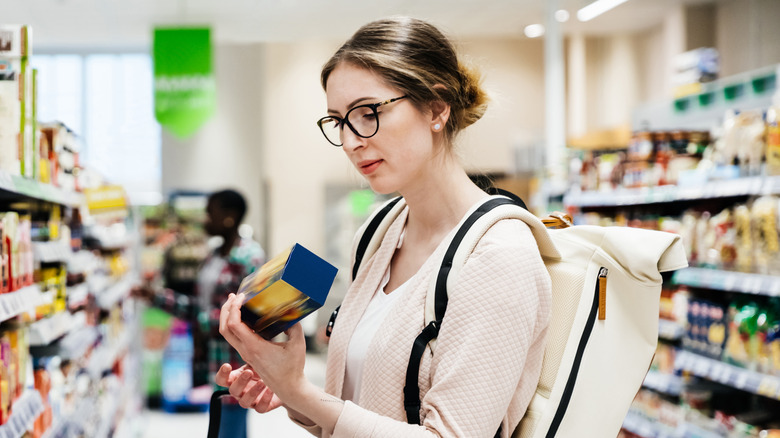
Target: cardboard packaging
{"type": "Point", "coordinates": [286, 289]}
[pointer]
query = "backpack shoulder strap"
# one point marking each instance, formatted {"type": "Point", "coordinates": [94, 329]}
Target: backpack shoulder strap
{"type": "Point", "coordinates": [371, 233]}
{"type": "Point", "coordinates": [367, 241]}
{"type": "Point", "coordinates": [463, 242]}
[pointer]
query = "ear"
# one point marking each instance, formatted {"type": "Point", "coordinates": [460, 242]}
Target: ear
{"type": "Point", "coordinates": [440, 110]}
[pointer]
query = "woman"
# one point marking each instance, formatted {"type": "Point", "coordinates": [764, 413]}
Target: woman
{"type": "Point", "coordinates": [397, 97]}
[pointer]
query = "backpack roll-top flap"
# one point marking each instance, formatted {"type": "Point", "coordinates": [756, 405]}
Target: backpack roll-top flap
{"type": "Point", "coordinates": [642, 254]}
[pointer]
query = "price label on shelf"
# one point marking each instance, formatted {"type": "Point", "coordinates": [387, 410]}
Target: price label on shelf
{"type": "Point", "coordinates": [741, 381]}
{"type": "Point", "coordinates": [6, 182]}
{"type": "Point", "coordinates": [774, 287]}
{"type": "Point", "coordinates": [730, 281]}
{"type": "Point", "coordinates": [752, 284]}
{"type": "Point", "coordinates": [769, 387]}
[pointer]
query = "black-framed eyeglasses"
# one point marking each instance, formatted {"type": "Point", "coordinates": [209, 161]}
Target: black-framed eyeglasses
{"type": "Point", "coordinates": [363, 120]}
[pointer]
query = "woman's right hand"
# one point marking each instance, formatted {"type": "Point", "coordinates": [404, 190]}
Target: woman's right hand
{"type": "Point", "coordinates": [248, 388]}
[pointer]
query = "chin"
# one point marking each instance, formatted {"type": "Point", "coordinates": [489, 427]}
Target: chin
{"type": "Point", "coordinates": [382, 187]}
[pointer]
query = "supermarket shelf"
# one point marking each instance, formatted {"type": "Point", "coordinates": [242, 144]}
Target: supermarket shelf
{"type": "Point", "coordinates": [13, 304]}
{"type": "Point", "coordinates": [51, 252]}
{"type": "Point", "coordinates": [755, 284]}
{"type": "Point", "coordinates": [25, 187]}
{"type": "Point", "coordinates": [752, 186]}
{"type": "Point", "coordinates": [670, 330]}
{"type": "Point", "coordinates": [664, 383]}
{"type": "Point", "coordinates": [105, 356]}
{"type": "Point", "coordinates": [639, 425]}
{"type": "Point", "coordinates": [746, 91]}
{"type": "Point", "coordinates": [110, 411]}
{"type": "Point", "coordinates": [76, 343]}
{"type": "Point", "coordinates": [45, 331]}
{"type": "Point", "coordinates": [109, 297]}
{"type": "Point", "coordinates": [77, 295]}
{"type": "Point", "coordinates": [729, 375]}
{"type": "Point", "coordinates": [25, 411]}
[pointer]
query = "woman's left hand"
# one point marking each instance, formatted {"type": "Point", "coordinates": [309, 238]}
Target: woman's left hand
{"type": "Point", "coordinates": [279, 364]}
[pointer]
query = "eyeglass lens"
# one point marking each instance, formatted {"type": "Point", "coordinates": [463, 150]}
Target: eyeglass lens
{"type": "Point", "coordinates": [362, 120]}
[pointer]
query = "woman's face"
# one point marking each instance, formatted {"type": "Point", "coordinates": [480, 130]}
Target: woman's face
{"type": "Point", "coordinates": [400, 155]}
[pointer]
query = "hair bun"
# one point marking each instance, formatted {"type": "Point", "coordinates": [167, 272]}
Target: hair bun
{"type": "Point", "coordinates": [474, 98]}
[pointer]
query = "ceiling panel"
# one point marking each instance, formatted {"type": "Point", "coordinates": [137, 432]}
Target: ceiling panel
{"type": "Point", "coordinates": [128, 23]}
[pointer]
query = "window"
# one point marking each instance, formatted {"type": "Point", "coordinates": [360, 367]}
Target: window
{"type": "Point", "coordinates": [108, 101]}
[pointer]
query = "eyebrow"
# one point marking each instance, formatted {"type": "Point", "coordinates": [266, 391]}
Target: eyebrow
{"type": "Point", "coordinates": [352, 104]}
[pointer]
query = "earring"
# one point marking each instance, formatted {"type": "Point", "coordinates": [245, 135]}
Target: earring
{"type": "Point", "coordinates": [436, 127]}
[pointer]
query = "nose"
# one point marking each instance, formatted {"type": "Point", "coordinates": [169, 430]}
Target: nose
{"type": "Point", "coordinates": [351, 141]}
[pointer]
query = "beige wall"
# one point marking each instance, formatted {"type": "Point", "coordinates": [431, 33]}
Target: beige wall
{"type": "Point", "coordinates": [747, 34]}
{"type": "Point", "coordinates": [225, 152]}
{"type": "Point", "coordinates": [513, 73]}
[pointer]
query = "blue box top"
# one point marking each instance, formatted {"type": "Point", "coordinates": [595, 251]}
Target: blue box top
{"type": "Point", "coordinates": [309, 273]}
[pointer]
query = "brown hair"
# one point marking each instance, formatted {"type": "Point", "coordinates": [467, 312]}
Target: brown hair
{"type": "Point", "coordinates": [414, 56]}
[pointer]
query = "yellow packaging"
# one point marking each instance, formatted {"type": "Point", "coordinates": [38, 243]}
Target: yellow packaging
{"type": "Point", "coordinates": [773, 139]}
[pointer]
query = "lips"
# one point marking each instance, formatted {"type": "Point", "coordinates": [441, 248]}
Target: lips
{"type": "Point", "coordinates": [368, 167]}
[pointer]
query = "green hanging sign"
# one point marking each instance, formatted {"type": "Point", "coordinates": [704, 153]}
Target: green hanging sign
{"type": "Point", "coordinates": [184, 85]}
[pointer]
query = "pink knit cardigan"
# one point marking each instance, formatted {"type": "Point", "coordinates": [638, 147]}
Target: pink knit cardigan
{"type": "Point", "coordinates": [488, 356]}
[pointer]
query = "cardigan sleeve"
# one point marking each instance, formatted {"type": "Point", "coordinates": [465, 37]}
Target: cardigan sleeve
{"type": "Point", "coordinates": [489, 348]}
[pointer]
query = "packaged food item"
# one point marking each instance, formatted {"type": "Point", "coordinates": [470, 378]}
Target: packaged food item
{"type": "Point", "coordinates": [283, 291]}
{"type": "Point", "coordinates": [765, 226]}
{"type": "Point", "coordinates": [742, 342]}
{"type": "Point", "coordinates": [773, 337]}
{"type": "Point", "coordinates": [773, 136]}
{"type": "Point", "coordinates": [751, 130]}
{"type": "Point", "coordinates": [744, 238]}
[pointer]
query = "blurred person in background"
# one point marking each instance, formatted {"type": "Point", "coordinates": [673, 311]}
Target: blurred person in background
{"type": "Point", "coordinates": [220, 275]}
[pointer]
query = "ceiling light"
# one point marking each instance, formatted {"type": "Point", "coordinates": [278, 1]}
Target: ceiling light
{"type": "Point", "coordinates": [562, 15]}
{"type": "Point", "coordinates": [597, 8]}
{"type": "Point", "coordinates": [534, 30]}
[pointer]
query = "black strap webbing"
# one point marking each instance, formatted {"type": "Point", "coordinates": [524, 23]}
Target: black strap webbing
{"type": "Point", "coordinates": [360, 252]}
{"type": "Point", "coordinates": [412, 403]}
{"type": "Point", "coordinates": [215, 412]}
{"type": "Point", "coordinates": [411, 389]}
{"type": "Point", "coordinates": [365, 239]}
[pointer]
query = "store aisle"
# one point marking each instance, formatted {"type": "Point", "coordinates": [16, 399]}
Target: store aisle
{"type": "Point", "coordinates": [158, 424]}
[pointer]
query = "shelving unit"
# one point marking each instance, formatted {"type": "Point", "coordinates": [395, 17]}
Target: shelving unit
{"type": "Point", "coordinates": [111, 295]}
{"type": "Point", "coordinates": [13, 304]}
{"type": "Point", "coordinates": [17, 186]}
{"type": "Point", "coordinates": [670, 330]}
{"type": "Point", "coordinates": [26, 410]}
{"type": "Point", "coordinates": [729, 375]}
{"type": "Point", "coordinates": [749, 90]}
{"type": "Point", "coordinates": [711, 288]}
{"type": "Point", "coordinates": [52, 252]}
{"type": "Point", "coordinates": [45, 331]}
{"type": "Point", "coordinates": [751, 186]}
{"type": "Point", "coordinates": [668, 384]}
{"type": "Point", "coordinates": [754, 284]}
{"type": "Point", "coordinates": [648, 428]}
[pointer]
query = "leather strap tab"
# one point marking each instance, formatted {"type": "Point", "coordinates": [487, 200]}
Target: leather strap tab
{"type": "Point", "coordinates": [558, 219]}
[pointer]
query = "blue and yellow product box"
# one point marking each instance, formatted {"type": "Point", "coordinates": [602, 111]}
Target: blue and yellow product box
{"type": "Point", "coordinates": [284, 290]}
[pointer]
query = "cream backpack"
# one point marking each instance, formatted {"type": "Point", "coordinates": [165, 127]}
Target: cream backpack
{"type": "Point", "coordinates": [606, 285]}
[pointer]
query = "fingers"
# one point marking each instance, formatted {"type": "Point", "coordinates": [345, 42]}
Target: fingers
{"type": "Point", "coordinates": [224, 374]}
{"type": "Point", "coordinates": [240, 385]}
{"type": "Point", "coordinates": [295, 335]}
{"type": "Point", "coordinates": [265, 403]}
{"type": "Point", "coordinates": [223, 316]}
{"type": "Point", "coordinates": [252, 394]}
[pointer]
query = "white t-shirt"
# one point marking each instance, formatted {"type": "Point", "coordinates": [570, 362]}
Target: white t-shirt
{"type": "Point", "coordinates": [369, 323]}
